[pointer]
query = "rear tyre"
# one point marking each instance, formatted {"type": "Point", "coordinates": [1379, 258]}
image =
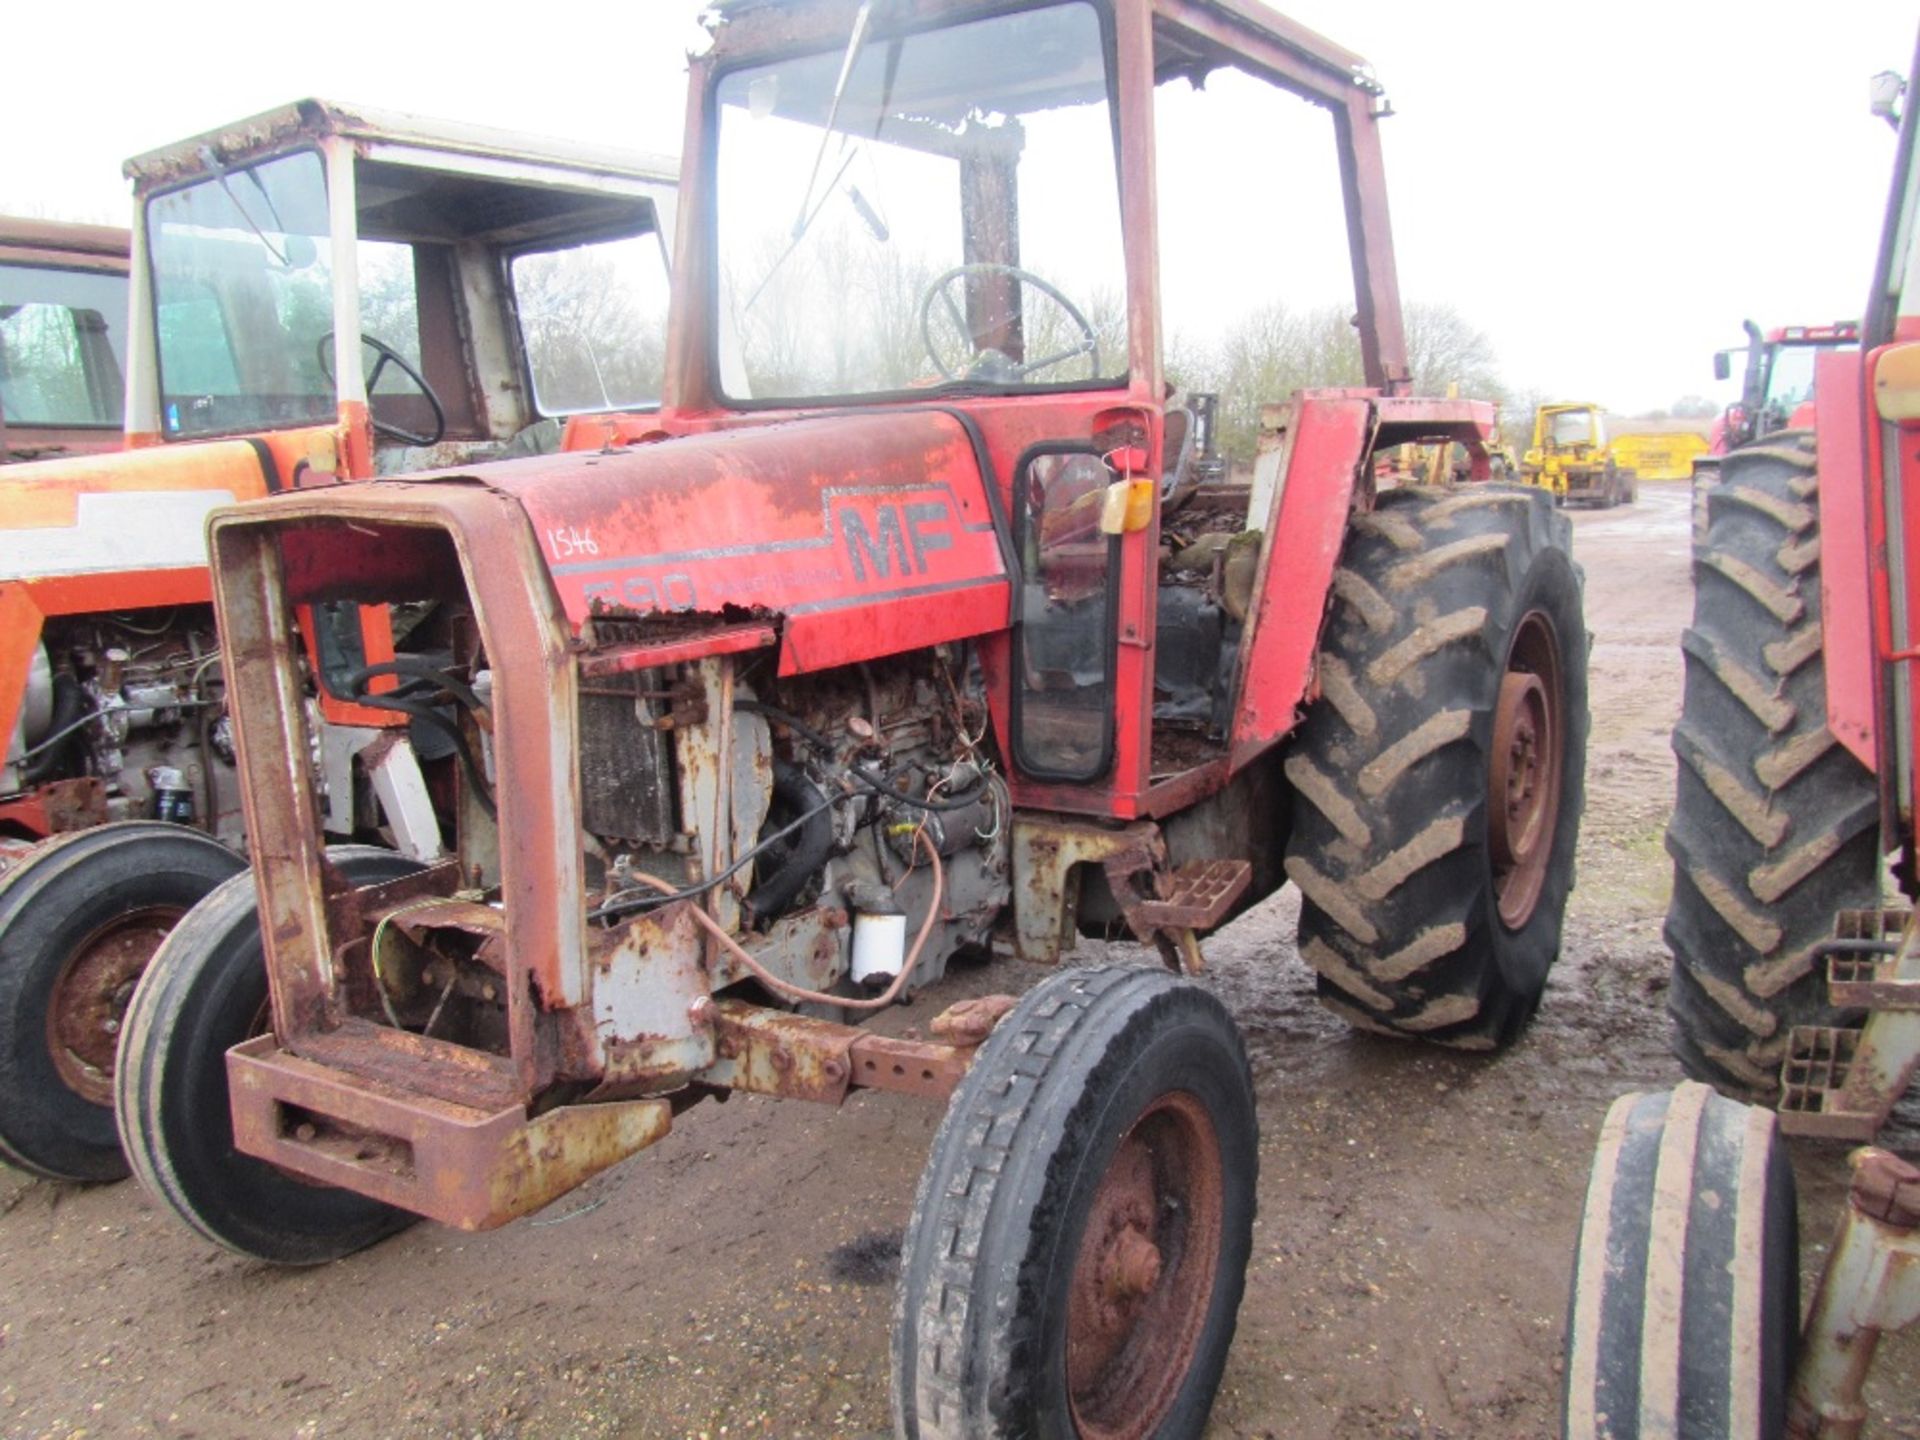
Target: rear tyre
{"type": "Point", "coordinates": [1706, 475]}
{"type": "Point", "coordinates": [1079, 1240]}
{"type": "Point", "coordinates": [1438, 782]}
{"type": "Point", "coordinates": [204, 993]}
{"type": "Point", "coordinates": [1686, 1300]}
{"type": "Point", "coordinates": [80, 918]}
{"type": "Point", "coordinates": [1775, 824]}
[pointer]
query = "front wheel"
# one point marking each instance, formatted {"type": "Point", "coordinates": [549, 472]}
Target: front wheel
{"type": "Point", "coordinates": [1438, 782]}
{"type": "Point", "coordinates": [204, 993]}
{"type": "Point", "coordinates": [1686, 1282]}
{"type": "Point", "coordinates": [80, 919]}
{"type": "Point", "coordinates": [1079, 1241]}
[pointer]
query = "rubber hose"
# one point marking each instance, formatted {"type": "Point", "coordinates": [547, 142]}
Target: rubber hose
{"type": "Point", "coordinates": [811, 847]}
{"type": "Point", "coordinates": [69, 706]}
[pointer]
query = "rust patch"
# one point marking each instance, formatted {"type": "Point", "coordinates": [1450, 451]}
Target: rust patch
{"type": "Point", "coordinates": [969, 1022]}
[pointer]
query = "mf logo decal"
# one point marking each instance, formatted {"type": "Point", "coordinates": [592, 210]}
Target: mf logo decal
{"type": "Point", "coordinates": [896, 541]}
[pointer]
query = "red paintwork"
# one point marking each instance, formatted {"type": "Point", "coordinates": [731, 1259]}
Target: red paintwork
{"type": "Point", "coordinates": [1904, 460]}
{"type": "Point", "coordinates": [869, 534]}
{"type": "Point", "coordinates": [1845, 597]}
{"type": "Point", "coordinates": [1276, 661]}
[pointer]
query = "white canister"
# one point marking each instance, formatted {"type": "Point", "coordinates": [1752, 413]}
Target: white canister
{"type": "Point", "coordinates": [879, 945]}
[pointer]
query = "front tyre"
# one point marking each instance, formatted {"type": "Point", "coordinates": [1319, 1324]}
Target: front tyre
{"type": "Point", "coordinates": [80, 919]}
{"type": "Point", "coordinates": [1079, 1240]}
{"type": "Point", "coordinates": [1685, 1306]}
{"type": "Point", "coordinates": [204, 993]}
{"type": "Point", "coordinates": [1438, 782]}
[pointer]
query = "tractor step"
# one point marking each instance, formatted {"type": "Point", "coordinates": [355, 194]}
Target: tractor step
{"type": "Point", "coordinates": [1814, 1099]}
{"type": "Point", "coordinates": [1198, 896]}
{"type": "Point", "coordinates": [1870, 982]}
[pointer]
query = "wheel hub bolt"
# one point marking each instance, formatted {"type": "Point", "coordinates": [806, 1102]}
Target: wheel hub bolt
{"type": "Point", "coordinates": [1133, 1265]}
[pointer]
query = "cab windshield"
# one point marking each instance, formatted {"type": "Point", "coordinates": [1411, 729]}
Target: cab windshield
{"type": "Point", "coordinates": [243, 298]}
{"type": "Point", "coordinates": [1570, 427]}
{"type": "Point", "coordinates": [944, 218]}
{"type": "Point", "coordinates": [1790, 380]}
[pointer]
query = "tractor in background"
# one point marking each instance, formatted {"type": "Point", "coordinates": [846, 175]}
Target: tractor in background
{"type": "Point", "coordinates": [1776, 393]}
{"type": "Point", "coordinates": [320, 293]}
{"type": "Point", "coordinates": [901, 631]}
{"type": "Point", "coordinates": [1796, 977]}
{"type": "Point", "coordinates": [1572, 460]}
{"type": "Point", "coordinates": [63, 313]}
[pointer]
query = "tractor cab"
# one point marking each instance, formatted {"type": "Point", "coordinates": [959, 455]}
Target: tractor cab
{"type": "Point", "coordinates": [1776, 391]}
{"type": "Point", "coordinates": [63, 336]}
{"type": "Point", "coordinates": [373, 291]}
{"type": "Point", "coordinates": [1571, 428]}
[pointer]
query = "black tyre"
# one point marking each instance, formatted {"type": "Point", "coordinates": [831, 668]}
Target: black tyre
{"type": "Point", "coordinates": [1438, 782]}
{"type": "Point", "coordinates": [1706, 475]}
{"type": "Point", "coordinates": [204, 993]}
{"type": "Point", "coordinates": [1775, 825]}
{"type": "Point", "coordinates": [1686, 1303]}
{"type": "Point", "coordinates": [80, 918]}
{"type": "Point", "coordinates": [1080, 1236]}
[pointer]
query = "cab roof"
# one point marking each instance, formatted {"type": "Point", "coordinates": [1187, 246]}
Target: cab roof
{"type": "Point", "coordinates": [311, 119]}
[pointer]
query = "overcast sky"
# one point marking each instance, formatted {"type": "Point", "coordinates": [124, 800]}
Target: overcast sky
{"type": "Point", "coordinates": [1606, 189]}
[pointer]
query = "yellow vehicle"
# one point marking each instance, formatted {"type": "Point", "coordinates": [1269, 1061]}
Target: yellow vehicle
{"type": "Point", "coordinates": [1659, 454]}
{"type": "Point", "coordinates": [1570, 456]}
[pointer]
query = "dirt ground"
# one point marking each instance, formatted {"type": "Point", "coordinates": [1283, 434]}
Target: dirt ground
{"type": "Point", "coordinates": [1417, 1209]}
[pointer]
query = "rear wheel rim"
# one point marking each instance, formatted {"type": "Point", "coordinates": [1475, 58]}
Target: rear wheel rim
{"type": "Point", "coordinates": [88, 1004]}
{"type": "Point", "coordinates": [1524, 780]}
{"type": "Point", "coordinates": [1147, 1268]}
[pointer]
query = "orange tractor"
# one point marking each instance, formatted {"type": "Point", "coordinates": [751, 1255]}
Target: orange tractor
{"type": "Point", "coordinates": [63, 312]}
{"type": "Point", "coordinates": [908, 627]}
{"type": "Point", "coordinates": [320, 293]}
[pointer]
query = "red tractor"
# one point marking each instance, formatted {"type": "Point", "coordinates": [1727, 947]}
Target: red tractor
{"type": "Point", "coordinates": [908, 627]}
{"type": "Point", "coordinates": [1776, 393]}
{"type": "Point", "coordinates": [1796, 974]}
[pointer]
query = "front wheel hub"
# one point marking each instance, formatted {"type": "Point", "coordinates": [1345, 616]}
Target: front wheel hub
{"type": "Point", "coordinates": [1524, 778]}
{"type": "Point", "coordinates": [1145, 1275]}
{"type": "Point", "coordinates": [90, 995]}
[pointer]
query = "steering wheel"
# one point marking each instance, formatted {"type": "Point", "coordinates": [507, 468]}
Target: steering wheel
{"type": "Point", "coordinates": [992, 364]}
{"type": "Point", "coordinates": [388, 355]}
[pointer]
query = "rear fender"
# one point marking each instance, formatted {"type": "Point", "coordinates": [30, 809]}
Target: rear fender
{"type": "Point", "coordinates": [1328, 440]}
{"type": "Point", "coordinates": [1330, 437]}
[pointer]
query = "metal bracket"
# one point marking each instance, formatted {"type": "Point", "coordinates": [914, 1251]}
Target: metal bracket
{"type": "Point", "coordinates": [1871, 1284]}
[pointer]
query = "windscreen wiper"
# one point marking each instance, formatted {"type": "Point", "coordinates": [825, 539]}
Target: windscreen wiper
{"type": "Point", "coordinates": [855, 42]}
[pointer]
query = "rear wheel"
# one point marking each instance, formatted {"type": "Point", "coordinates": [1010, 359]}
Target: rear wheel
{"type": "Point", "coordinates": [1686, 1278]}
{"type": "Point", "coordinates": [1706, 475]}
{"type": "Point", "coordinates": [205, 992]}
{"type": "Point", "coordinates": [1775, 825]}
{"type": "Point", "coordinates": [1438, 782]}
{"type": "Point", "coordinates": [80, 919]}
{"type": "Point", "coordinates": [1079, 1241]}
